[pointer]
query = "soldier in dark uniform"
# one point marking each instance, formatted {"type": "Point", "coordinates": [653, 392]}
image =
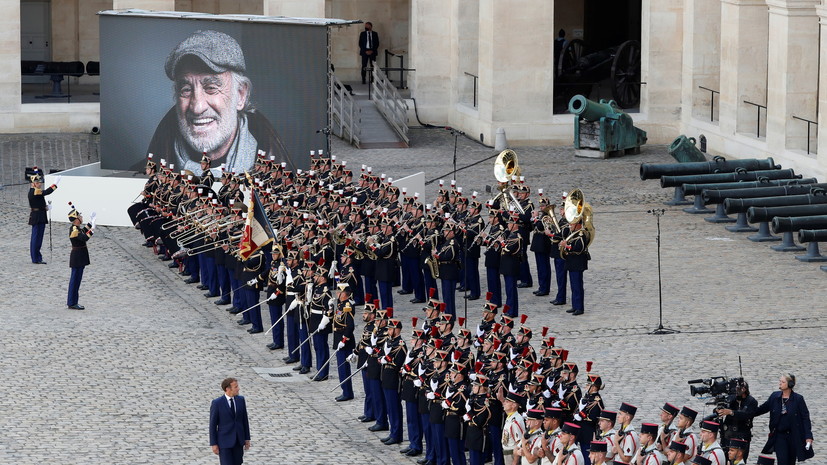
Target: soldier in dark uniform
{"type": "Point", "coordinates": [253, 274]}
{"type": "Point", "coordinates": [588, 411]}
{"type": "Point", "coordinates": [344, 338]}
{"type": "Point", "coordinates": [392, 358]}
{"type": "Point", "coordinates": [360, 356]}
{"type": "Point", "coordinates": [447, 255]}
{"type": "Point", "coordinates": [454, 406]}
{"type": "Point", "coordinates": [474, 225]}
{"type": "Point", "coordinates": [541, 246]}
{"type": "Point", "coordinates": [510, 258]}
{"type": "Point", "coordinates": [477, 417]}
{"type": "Point", "coordinates": [318, 324]}
{"type": "Point", "coordinates": [577, 261]}
{"type": "Point", "coordinates": [492, 258]}
{"type": "Point", "coordinates": [294, 286]}
{"type": "Point", "coordinates": [374, 369]}
{"type": "Point", "coordinates": [276, 292]}
{"type": "Point", "coordinates": [560, 273]}
{"type": "Point", "coordinates": [207, 177]}
{"type": "Point", "coordinates": [38, 218]}
{"type": "Point", "coordinates": [435, 393]}
{"type": "Point", "coordinates": [525, 227]}
{"type": "Point", "coordinates": [415, 364]}
{"type": "Point", "coordinates": [427, 242]}
{"type": "Point", "coordinates": [386, 252]}
{"type": "Point", "coordinates": [79, 234]}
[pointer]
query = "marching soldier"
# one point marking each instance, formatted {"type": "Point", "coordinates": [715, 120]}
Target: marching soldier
{"type": "Point", "coordinates": [253, 274]}
{"type": "Point", "coordinates": [295, 285]}
{"type": "Point", "coordinates": [318, 324]}
{"type": "Point", "coordinates": [363, 350]}
{"type": "Point", "coordinates": [38, 218]}
{"type": "Point", "coordinates": [589, 408]}
{"type": "Point", "coordinates": [386, 251]}
{"type": "Point", "coordinates": [414, 366]}
{"type": "Point", "coordinates": [574, 247]}
{"type": "Point", "coordinates": [454, 406]}
{"type": "Point", "coordinates": [79, 234]}
{"type": "Point", "coordinates": [435, 392]}
{"type": "Point", "coordinates": [541, 246]}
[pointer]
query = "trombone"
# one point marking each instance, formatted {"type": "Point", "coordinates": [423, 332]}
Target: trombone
{"type": "Point", "coordinates": [213, 245]}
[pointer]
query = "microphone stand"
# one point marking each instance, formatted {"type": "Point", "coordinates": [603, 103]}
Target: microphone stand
{"type": "Point", "coordinates": [660, 329]}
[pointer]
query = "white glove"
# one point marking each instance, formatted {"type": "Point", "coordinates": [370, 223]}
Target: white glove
{"type": "Point", "coordinates": [511, 354]}
{"type": "Point", "coordinates": [420, 370]}
{"type": "Point", "coordinates": [369, 350]}
{"type": "Point", "coordinates": [479, 331]}
{"type": "Point", "coordinates": [49, 207]}
{"type": "Point", "coordinates": [251, 282]}
{"type": "Point", "coordinates": [324, 322]}
{"type": "Point", "coordinates": [93, 216]}
{"type": "Point", "coordinates": [429, 396]}
{"type": "Point", "coordinates": [408, 359]}
{"type": "Point", "coordinates": [351, 358]}
{"type": "Point", "coordinates": [57, 180]}
{"type": "Point", "coordinates": [273, 296]}
{"type": "Point", "coordinates": [547, 394]}
{"type": "Point", "coordinates": [383, 361]}
{"type": "Point", "coordinates": [386, 349]}
{"type": "Point", "coordinates": [510, 366]}
{"type": "Point", "coordinates": [280, 275]}
{"type": "Point", "coordinates": [373, 339]}
{"type": "Point", "coordinates": [444, 405]}
{"type": "Point", "coordinates": [578, 417]}
{"type": "Point", "coordinates": [466, 417]}
{"type": "Point", "coordinates": [418, 382]}
{"type": "Point", "coordinates": [434, 384]}
{"type": "Point", "coordinates": [341, 345]}
{"type": "Point", "coordinates": [473, 376]}
{"type": "Point", "coordinates": [293, 304]}
{"type": "Point", "coordinates": [448, 392]}
{"type": "Point", "coordinates": [468, 405]}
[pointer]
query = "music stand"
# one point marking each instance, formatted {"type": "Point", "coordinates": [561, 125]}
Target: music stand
{"type": "Point", "coordinates": [658, 212]}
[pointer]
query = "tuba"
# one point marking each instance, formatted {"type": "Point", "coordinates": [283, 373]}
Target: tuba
{"type": "Point", "coordinates": [506, 166]}
{"type": "Point", "coordinates": [577, 210]}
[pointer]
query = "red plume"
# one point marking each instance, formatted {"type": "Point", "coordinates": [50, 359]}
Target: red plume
{"type": "Point", "coordinates": [496, 344]}
{"type": "Point", "coordinates": [431, 292]}
{"type": "Point", "coordinates": [496, 327]}
{"type": "Point", "coordinates": [489, 295]}
{"type": "Point", "coordinates": [389, 312]}
{"type": "Point", "coordinates": [289, 244]}
{"type": "Point", "coordinates": [414, 321]}
{"type": "Point", "coordinates": [434, 330]}
{"type": "Point", "coordinates": [368, 297]}
{"type": "Point", "coordinates": [461, 321]}
{"type": "Point", "coordinates": [348, 241]}
{"type": "Point", "coordinates": [321, 261]}
{"type": "Point", "coordinates": [307, 254]}
{"type": "Point", "coordinates": [457, 354]}
{"type": "Point", "coordinates": [376, 303]}
{"type": "Point", "coordinates": [535, 366]}
{"type": "Point", "coordinates": [438, 343]}
{"type": "Point", "coordinates": [477, 367]}
{"type": "Point", "coordinates": [551, 341]}
{"type": "Point", "coordinates": [525, 351]}
{"type": "Point", "coordinates": [506, 308]}
{"type": "Point", "coordinates": [523, 318]}
{"type": "Point", "coordinates": [588, 366]}
{"type": "Point", "coordinates": [565, 355]}
{"type": "Point", "coordinates": [545, 331]}
{"type": "Point", "coordinates": [442, 307]}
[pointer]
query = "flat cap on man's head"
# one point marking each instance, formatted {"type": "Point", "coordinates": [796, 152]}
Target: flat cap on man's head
{"type": "Point", "coordinates": [218, 51]}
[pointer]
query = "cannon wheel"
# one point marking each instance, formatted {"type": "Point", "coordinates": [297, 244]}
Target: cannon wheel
{"type": "Point", "coordinates": [626, 74]}
{"type": "Point", "coordinates": [570, 55]}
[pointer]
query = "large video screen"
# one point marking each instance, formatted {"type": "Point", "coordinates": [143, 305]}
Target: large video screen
{"type": "Point", "coordinates": [181, 88]}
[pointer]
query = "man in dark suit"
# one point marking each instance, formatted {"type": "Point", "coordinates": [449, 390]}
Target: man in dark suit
{"type": "Point", "coordinates": [791, 434]}
{"type": "Point", "coordinates": [368, 47]}
{"type": "Point", "coordinates": [229, 427]}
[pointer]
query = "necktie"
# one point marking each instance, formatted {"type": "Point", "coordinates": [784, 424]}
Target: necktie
{"type": "Point", "coordinates": [232, 405]}
{"type": "Point", "coordinates": [369, 34]}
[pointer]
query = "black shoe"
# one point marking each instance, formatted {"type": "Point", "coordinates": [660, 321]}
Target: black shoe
{"type": "Point", "coordinates": [361, 417]}
{"type": "Point", "coordinates": [41, 262]}
{"type": "Point", "coordinates": [367, 419]}
{"type": "Point", "coordinates": [289, 360]}
{"type": "Point", "coordinates": [255, 330]}
{"type": "Point", "coordinates": [413, 453]}
{"type": "Point", "coordinates": [342, 398]}
{"type": "Point", "coordinates": [184, 273]}
{"type": "Point", "coordinates": [222, 302]}
{"type": "Point", "coordinates": [539, 293]}
{"type": "Point", "coordinates": [191, 280]}
{"type": "Point", "coordinates": [422, 461]}
{"type": "Point", "coordinates": [210, 295]}
{"type": "Point", "coordinates": [234, 310]}
{"type": "Point", "coordinates": [460, 289]}
{"type": "Point", "coordinates": [298, 368]}
{"type": "Point", "coordinates": [276, 347]}
{"type": "Point", "coordinates": [417, 301]}
{"type": "Point", "coordinates": [571, 310]}
{"type": "Point", "coordinates": [241, 322]}
{"type": "Point", "coordinates": [304, 370]}
{"type": "Point", "coordinates": [171, 265]}
{"type": "Point", "coordinates": [271, 345]}
{"type": "Point", "coordinates": [472, 297]}
{"type": "Point", "coordinates": [376, 428]}
{"type": "Point", "coordinates": [405, 450]}
{"type": "Point", "coordinates": [523, 285]}
{"type": "Point", "coordinates": [577, 312]}
{"type": "Point", "coordinates": [558, 302]}
{"type": "Point", "coordinates": [393, 441]}
{"type": "Point", "coordinates": [76, 307]}
{"type": "Point", "coordinates": [386, 438]}
{"type": "Point", "coordinates": [401, 292]}
{"type": "Point", "coordinates": [317, 378]}
{"type": "Point", "coordinates": [166, 259]}
{"type": "Point", "coordinates": [202, 287]}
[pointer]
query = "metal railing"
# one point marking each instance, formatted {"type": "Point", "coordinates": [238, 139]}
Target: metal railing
{"type": "Point", "coordinates": [712, 102]}
{"type": "Point", "coordinates": [809, 123]}
{"type": "Point", "coordinates": [390, 103]}
{"type": "Point", "coordinates": [475, 86]}
{"type": "Point", "coordinates": [758, 119]}
{"type": "Point", "coordinates": [345, 114]}
{"type": "Point", "coordinates": [401, 69]}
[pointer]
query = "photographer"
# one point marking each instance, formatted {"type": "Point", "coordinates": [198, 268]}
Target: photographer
{"type": "Point", "coordinates": [791, 436]}
{"type": "Point", "coordinates": [736, 418]}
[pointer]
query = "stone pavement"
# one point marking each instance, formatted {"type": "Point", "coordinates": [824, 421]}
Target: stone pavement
{"type": "Point", "coordinates": [129, 380]}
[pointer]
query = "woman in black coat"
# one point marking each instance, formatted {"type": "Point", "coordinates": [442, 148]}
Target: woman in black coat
{"type": "Point", "coordinates": [790, 431]}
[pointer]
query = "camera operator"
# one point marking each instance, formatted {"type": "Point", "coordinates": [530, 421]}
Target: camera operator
{"type": "Point", "coordinates": [736, 418]}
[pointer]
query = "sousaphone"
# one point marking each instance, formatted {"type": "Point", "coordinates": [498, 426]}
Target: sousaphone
{"type": "Point", "coordinates": [576, 210]}
{"type": "Point", "coordinates": [506, 166]}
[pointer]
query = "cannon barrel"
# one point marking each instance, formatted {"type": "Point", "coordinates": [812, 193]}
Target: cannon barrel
{"type": "Point", "coordinates": [781, 224]}
{"type": "Point", "coordinates": [759, 214]}
{"type": "Point", "coordinates": [590, 110]}
{"type": "Point", "coordinates": [812, 235]}
{"type": "Point", "coordinates": [697, 189]}
{"type": "Point", "coordinates": [656, 170]}
{"type": "Point", "coordinates": [672, 181]}
{"type": "Point", "coordinates": [712, 196]}
{"type": "Point", "coordinates": [732, 206]}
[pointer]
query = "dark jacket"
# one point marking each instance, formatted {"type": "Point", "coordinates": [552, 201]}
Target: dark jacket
{"type": "Point", "coordinates": [800, 428]}
{"type": "Point", "coordinates": [228, 430]}
{"type": "Point", "coordinates": [79, 256]}
{"type": "Point", "coordinates": [37, 202]}
{"type": "Point", "coordinates": [363, 43]}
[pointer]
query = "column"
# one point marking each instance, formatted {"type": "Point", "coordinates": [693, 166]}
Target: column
{"type": "Point", "coordinates": [157, 5]}
{"type": "Point", "coordinates": [431, 52]}
{"type": "Point", "coordinates": [9, 62]}
{"type": "Point", "coordinates": [515, 65]}
{"type": "Point", "coordinates": [661, 65]}
{"type": "Point", "coordinates": [744, 32]}
{"type": "Point", "coordinates": [295, 8]}
{"type": "Point", "coordinates": [701, 59]}
{"type": "Point", "coordinates": [792, 81]}
{"type": "Point", "coordinates": [821, 11]}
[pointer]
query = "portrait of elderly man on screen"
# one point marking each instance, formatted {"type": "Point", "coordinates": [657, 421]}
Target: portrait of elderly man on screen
{"type": "Point", "coordinates": [212, 112]}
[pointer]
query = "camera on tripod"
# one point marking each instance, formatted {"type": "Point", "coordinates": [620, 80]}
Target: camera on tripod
{"type": "Point", "coordinates": [722, 389]}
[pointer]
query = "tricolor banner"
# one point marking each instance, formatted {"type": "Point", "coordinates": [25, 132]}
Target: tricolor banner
{"type": "Point", "coordinates": [257, 229]}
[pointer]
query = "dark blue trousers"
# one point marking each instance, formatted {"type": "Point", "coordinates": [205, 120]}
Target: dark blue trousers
{"type": "Point", "coordinates": [36, 242]}
{"type": "Point", "coordinates": [577, 292]}
{"type": "Point", "coordinates": [322, 348]}
{"type": "Point", "coordinates": [278, 330]}
{"type": "Point", "coordinates": [472, 276]}
{"type": "Point", "coordinates": [511, 297]}
{"type": "Point", "coordinates": [394, 408]}
{"type": "Point", "coordinates": [370, 287]}
{"type": "Point", "coordinates": [386, 294]}
{"type": "Point", "coordinates": [476, 457]}
{"type": "Point", "coordinates": [441, 456]}
{"type": "Point", "coordinates": [785, 449]}
{"type": "Point", "coordinates": [291, 327]}
{"type": "Point", "coordinates": [495, 437]}
{"type": "Point", "coordinates": [223, 278]}
{"type": "Point", "coordinates": [305, 357]}
{"type": "Point", "coordinates": [430, 448]}
{"type": "Point", "coordinates": [209, 275]}
{"type": "Point", "coordinates": [456, 450]}
{"type": "Point", "coordinates": [344, 372]}
{"type": "Point", "coordinates": [74, 286]}
{"type": "Point", "coordinates": [430, 283]}
{"type": "Point", "coordinates": [379, 409]}
{"type": "Point", "coordinates": [191, 267]}
{"type": "Point", "coordinates": [412, 421]}
{"type": "Point", "coordinates": [449, 294]}
{"type": "Point", "coordinates": [359, 291]}
{"type": "Point", "coordinates": [561, 275]}
{"type": "Point", "coordinates": [231, 455]}
{"type": "Point", "coordinates": [407, 276]}
{"type": "Point", "coordinates": [236, 293]}
{"type": "Point", "coordinates": [492, 277]}
{"type": "Point", "coordinates": [525, 271]}
{"type": "Point", "coordinates": [368, 409]}
{"type": "Point", "coordinates": [543, 261]}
